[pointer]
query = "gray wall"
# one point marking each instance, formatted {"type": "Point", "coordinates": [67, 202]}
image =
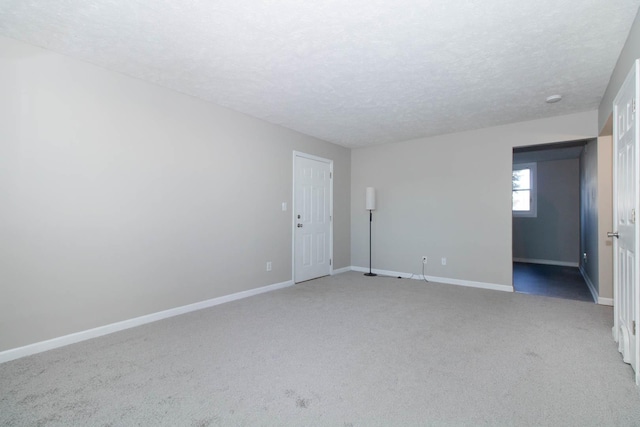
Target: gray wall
{"type": "Point", "coordinates": [596, 214]}
{"type": "Point", "coordinates": [605, 217]}
{"type": "Point", "coordinates": [120, 198]}
{"type": "Point", "coordinates": [589, 211]}
{"type": "Point", "coordinates": [448, 196]}
{"type": "Point", "coordinates": [554, 234]}
{"type": "Point", "coordinates": [630, 52]}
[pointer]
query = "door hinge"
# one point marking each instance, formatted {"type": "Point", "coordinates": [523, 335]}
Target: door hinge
{"type": "Point", "coordinates": [633, 216]}
{"type": "Point", "coordinates": [633, 105]}
{"type": "Point", "coordinates": [331, 173]}
{"type": "Point", "coordinates": [330, 264]}
{"type": "Point", "coordinates": [633, 327]}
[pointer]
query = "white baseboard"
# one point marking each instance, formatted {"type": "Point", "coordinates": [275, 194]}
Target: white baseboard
{"type": "Point", "coordinates": [547, 262]}
{"type": "Point", "coordinates": [590, 285]}
{"type": "Point", "coordinates": [341, 270]}
{"type": "Point", "coordinates": [446, 280]}
{"type": "Point", "coordinates": [592, 288]}
{"type": "Point", "coordinates": [385, 272]}
{"type": "Point", "coordinates": [39, 347]}
{"type": "Point", "coordinates": [605, 301]}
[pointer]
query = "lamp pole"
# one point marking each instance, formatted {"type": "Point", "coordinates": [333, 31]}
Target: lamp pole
{"type": "Point", "coordinates": [371, 205]}
{"type": "Point", "coordinates": [370, 221]}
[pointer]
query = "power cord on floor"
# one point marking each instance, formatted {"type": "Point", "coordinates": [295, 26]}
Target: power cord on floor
{"type": "Point", "coordinates": [424, 277]}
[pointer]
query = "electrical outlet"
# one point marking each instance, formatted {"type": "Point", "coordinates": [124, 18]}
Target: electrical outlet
{"type": "Point", "coordinates": [424, 259]}
{"type": "Point", "coordinates": [584, 257]}
{"type": "Point", "coordinates": [268, 265]}
{"type": "Point", "coordinates": [444, 261]}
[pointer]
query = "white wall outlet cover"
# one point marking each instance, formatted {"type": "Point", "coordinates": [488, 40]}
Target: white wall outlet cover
{"type": "Point", "coordinates": [284, 206]}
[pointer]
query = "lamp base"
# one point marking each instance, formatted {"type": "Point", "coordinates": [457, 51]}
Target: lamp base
{"type": "Point", "coordinates": [370, 274]}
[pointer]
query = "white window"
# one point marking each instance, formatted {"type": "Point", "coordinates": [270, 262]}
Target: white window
{"type": "Point", "coordinates": [524, 190]}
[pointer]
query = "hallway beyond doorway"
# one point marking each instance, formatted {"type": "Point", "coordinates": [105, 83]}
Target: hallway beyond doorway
{"type": "Point", "coordinates": [550, 280]}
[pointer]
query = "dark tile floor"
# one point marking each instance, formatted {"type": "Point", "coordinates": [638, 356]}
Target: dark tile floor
{"type": "Point", "coordinates": [550, 280]}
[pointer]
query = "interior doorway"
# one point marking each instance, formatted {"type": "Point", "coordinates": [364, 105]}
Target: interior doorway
{"type": "Point", "coordinates": [313, 212]}
{"type": "Point", "coordinates": [547, 220]}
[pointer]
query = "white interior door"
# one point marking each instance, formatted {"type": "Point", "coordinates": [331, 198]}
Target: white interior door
{"type": "Point", "coordinates": [312, 217]}
{"type": "Point", "coordinates": [626, 261]}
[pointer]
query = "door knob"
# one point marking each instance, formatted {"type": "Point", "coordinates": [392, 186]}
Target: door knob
{"type": "Point", "coordinates": [612, 234]}
{"type": "Point", "coordinates": [299, 225]}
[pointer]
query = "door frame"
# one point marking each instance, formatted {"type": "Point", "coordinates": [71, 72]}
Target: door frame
{"type": "Point", "coordinates": [636, 237]}
{"type": "Point", "coordinates": [329, 162]}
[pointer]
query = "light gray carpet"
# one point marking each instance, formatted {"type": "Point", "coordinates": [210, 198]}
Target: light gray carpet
{"type": "Point", "coordinates": [343, 350]}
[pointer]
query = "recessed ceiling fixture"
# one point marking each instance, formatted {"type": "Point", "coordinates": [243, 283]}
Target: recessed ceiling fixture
{"type": "Point", "coordinates": [553, 99]}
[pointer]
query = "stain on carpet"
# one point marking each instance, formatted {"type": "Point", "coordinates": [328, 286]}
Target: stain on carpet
{"type": "Point", "coordinates": [303, 403]}
{"type": "Point", "coordinates": [300, 401]}
{"type": "Point", "coordinates": [204, 422]}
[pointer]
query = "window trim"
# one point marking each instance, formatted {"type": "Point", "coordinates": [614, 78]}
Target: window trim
{"type": "Point", "coordinates": [533, 211]}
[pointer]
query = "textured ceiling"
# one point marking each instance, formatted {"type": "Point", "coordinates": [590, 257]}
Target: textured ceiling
{"type": "Point", "coordinates": [353, 72]}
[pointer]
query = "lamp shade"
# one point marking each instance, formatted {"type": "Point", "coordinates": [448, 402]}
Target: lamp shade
{"type": "Point", "coordinates": [371, 198]}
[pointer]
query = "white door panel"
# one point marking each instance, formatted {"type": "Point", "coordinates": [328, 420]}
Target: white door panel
{"type": "Point", "coordinates": [626, 263]}
{"type": "Point", "coordinates": [312, 218]}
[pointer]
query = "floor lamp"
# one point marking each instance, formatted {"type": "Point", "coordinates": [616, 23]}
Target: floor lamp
{"type": "Point", "coordinates": [371, 206]}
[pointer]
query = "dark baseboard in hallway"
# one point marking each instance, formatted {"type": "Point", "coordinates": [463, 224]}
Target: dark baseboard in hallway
{"type": "Point", "coordinates": [550, 280]}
